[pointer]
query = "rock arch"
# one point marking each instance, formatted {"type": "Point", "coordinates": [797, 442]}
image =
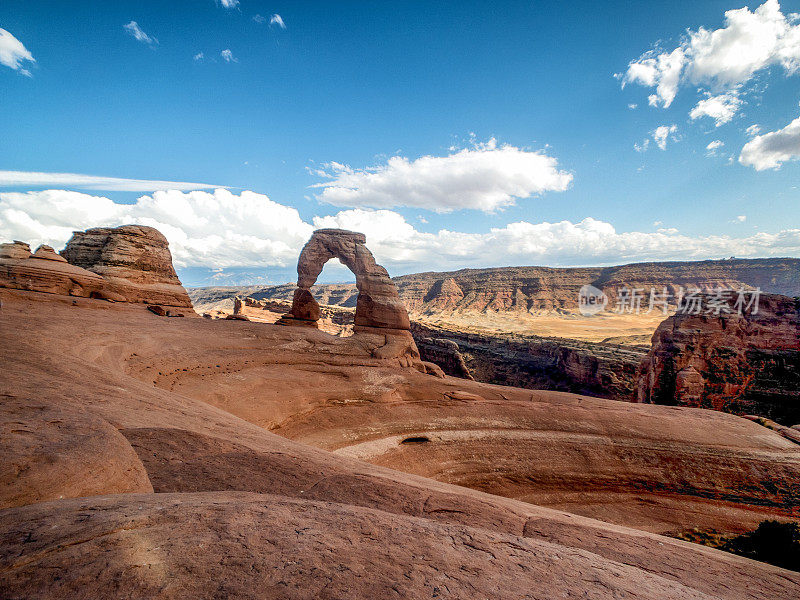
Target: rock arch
{"type": "Point", "coordinates": [381, 323]}
{"type": "Point", "coordinates": [378, 305]}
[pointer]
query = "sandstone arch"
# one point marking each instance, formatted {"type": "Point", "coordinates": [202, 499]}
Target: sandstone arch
{"type": "Point", "coordinates": [381, 321]}
{"type": "Point", "coordinates": [378, 304]}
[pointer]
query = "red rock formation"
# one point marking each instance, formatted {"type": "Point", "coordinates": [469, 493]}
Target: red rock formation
{"type": "Point", "coordinates": [379, 310]}
{"type": "Point", "coordinates": [134, 259]}
{"type": "Point", "coordinates": [740, 363]}
{"type": "Point", "coordinates": [241, 512]}
{"type": "Point", "coordinates": [45, 271]}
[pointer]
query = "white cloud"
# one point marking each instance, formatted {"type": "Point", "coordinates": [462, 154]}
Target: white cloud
{"type": "Point", "coordinates": [753, 130]}
{"type": "Point", "coordinates": [633, 106]}
{"type": "Point", "coordinates": [214, 229]}
{"type": "Point", "coordinates": [276, 19]}
{"type": "Point", "coordinates": [396, 243]}
{"type": "Point", "coordinates": [13, 53]}
{"type": "Point", "coordinates": [643, 146]}
{"type": "Point", "coordinates": [93, 182]}
{"type": "Point", "coordinates": [199, 56]}
{"type": "Point", "coordinates": [723, 59]}
{"type": "Point", "coordinates": [713, 147]}
{"type": "Point", "coordinates": [486, 177]}
{"type": "Point", "coordinates": [139, 35]}
{"type": "Point", "coordinates": [222, 230]}
{"type": "Point", "coordinates": [227, 55]}
{"type": "Point", "coordinates": [662, 133]}
{"type": "Point", "coordinates": [741, 218]}
{"type": "Point", "coordinates": [259, 19]}
{"type": "Point", "coordinates": [772, 149]}
{"type": "Point", "coordinates": [229, 4]}
{"type": "Point", "coordinates": [722, 108]}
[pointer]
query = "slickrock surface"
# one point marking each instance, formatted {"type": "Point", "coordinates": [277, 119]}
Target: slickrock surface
{"type": "Point", "coordinates": [134, 259]}
{"type": "Point", "coordinates": [740, 363]}
{"type": "Point", "coordinates": [241, 512]}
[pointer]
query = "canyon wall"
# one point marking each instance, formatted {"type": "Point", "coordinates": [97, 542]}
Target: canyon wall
{"type": "Point", "coordinates": [739, 363]}
{"type": "Point", "coordinates": [522, 290]}
{"type": "Point", "coordinates": [526, 361]}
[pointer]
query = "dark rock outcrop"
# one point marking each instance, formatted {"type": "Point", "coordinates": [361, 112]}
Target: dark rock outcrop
{"type": "Point", "coordinates": [527, 361]}
{"type": "Point", "coordinates": [135, 260]}
{"type": "Point", "coordinates": [445, 353]}
{"type": "Point", "coordinates": [739, 363]}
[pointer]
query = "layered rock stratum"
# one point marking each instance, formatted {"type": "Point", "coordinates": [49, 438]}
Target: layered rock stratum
{"type": "Point", "coordinates": [740, 361]}
{"type": "Point", "coordinates": [536, 289]}
{"type": "Point", "coordinates": [135, 261]}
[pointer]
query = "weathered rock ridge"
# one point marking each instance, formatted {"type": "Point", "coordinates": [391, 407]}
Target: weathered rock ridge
{"type": "Point", "coordinates": [531, 289]}
{"type": "Point", "coordinates": [45, 271]}
{"type": "Point", "coordinates": [135, 260]}
{"type": "Point", "coordinates": [735, 362]}
{"type": "Point", "coordinates": [124, 264]}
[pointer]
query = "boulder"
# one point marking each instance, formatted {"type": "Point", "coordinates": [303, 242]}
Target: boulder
{"type": "Point", "coordinates": [134, 259]}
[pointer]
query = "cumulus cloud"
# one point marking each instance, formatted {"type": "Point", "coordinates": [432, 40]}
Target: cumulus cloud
{"type": "Point", "coordinates": [486, 177]}
{"type": "Point", "coordinates": [276, 19]}
{"type": "Point", "coordinates": [222, 230]}
{"type": "Point", "coordinates": [722, 60]}
{"type": "Point", "coordinates": [139, 35]}
{"type": "Point", "coordinates": [663, 133]}
{"type": "Point", "coordinates": [753, 130]}
{"type": "Point", "coordinates": [215, 229]}
{"type": "Point", "coordinates": [227, 56]}
{"type": "Point", "coordinates": [397, 243]}
{"type": "Point", "coordinates": [13, 53]}
{"type": "Point", "coordinates": [722, 108]}
{"type": "Point", "coordinates": [199, 56]}
{"type": "Point", "coordinates": [229, 4]}
{"type": "Point", "coordinates": [94, 182]}
{"type": "Point", "coordinates": [771, 150]}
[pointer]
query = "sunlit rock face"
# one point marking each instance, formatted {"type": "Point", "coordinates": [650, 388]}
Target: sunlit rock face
{"type": "Point", "coordinates": [740, 363]}
{"type": "Point", "coordinates": [134, 259]}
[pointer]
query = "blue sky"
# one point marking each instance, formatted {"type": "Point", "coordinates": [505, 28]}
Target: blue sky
{"type": "Point", "coordinates": [356, 84]}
